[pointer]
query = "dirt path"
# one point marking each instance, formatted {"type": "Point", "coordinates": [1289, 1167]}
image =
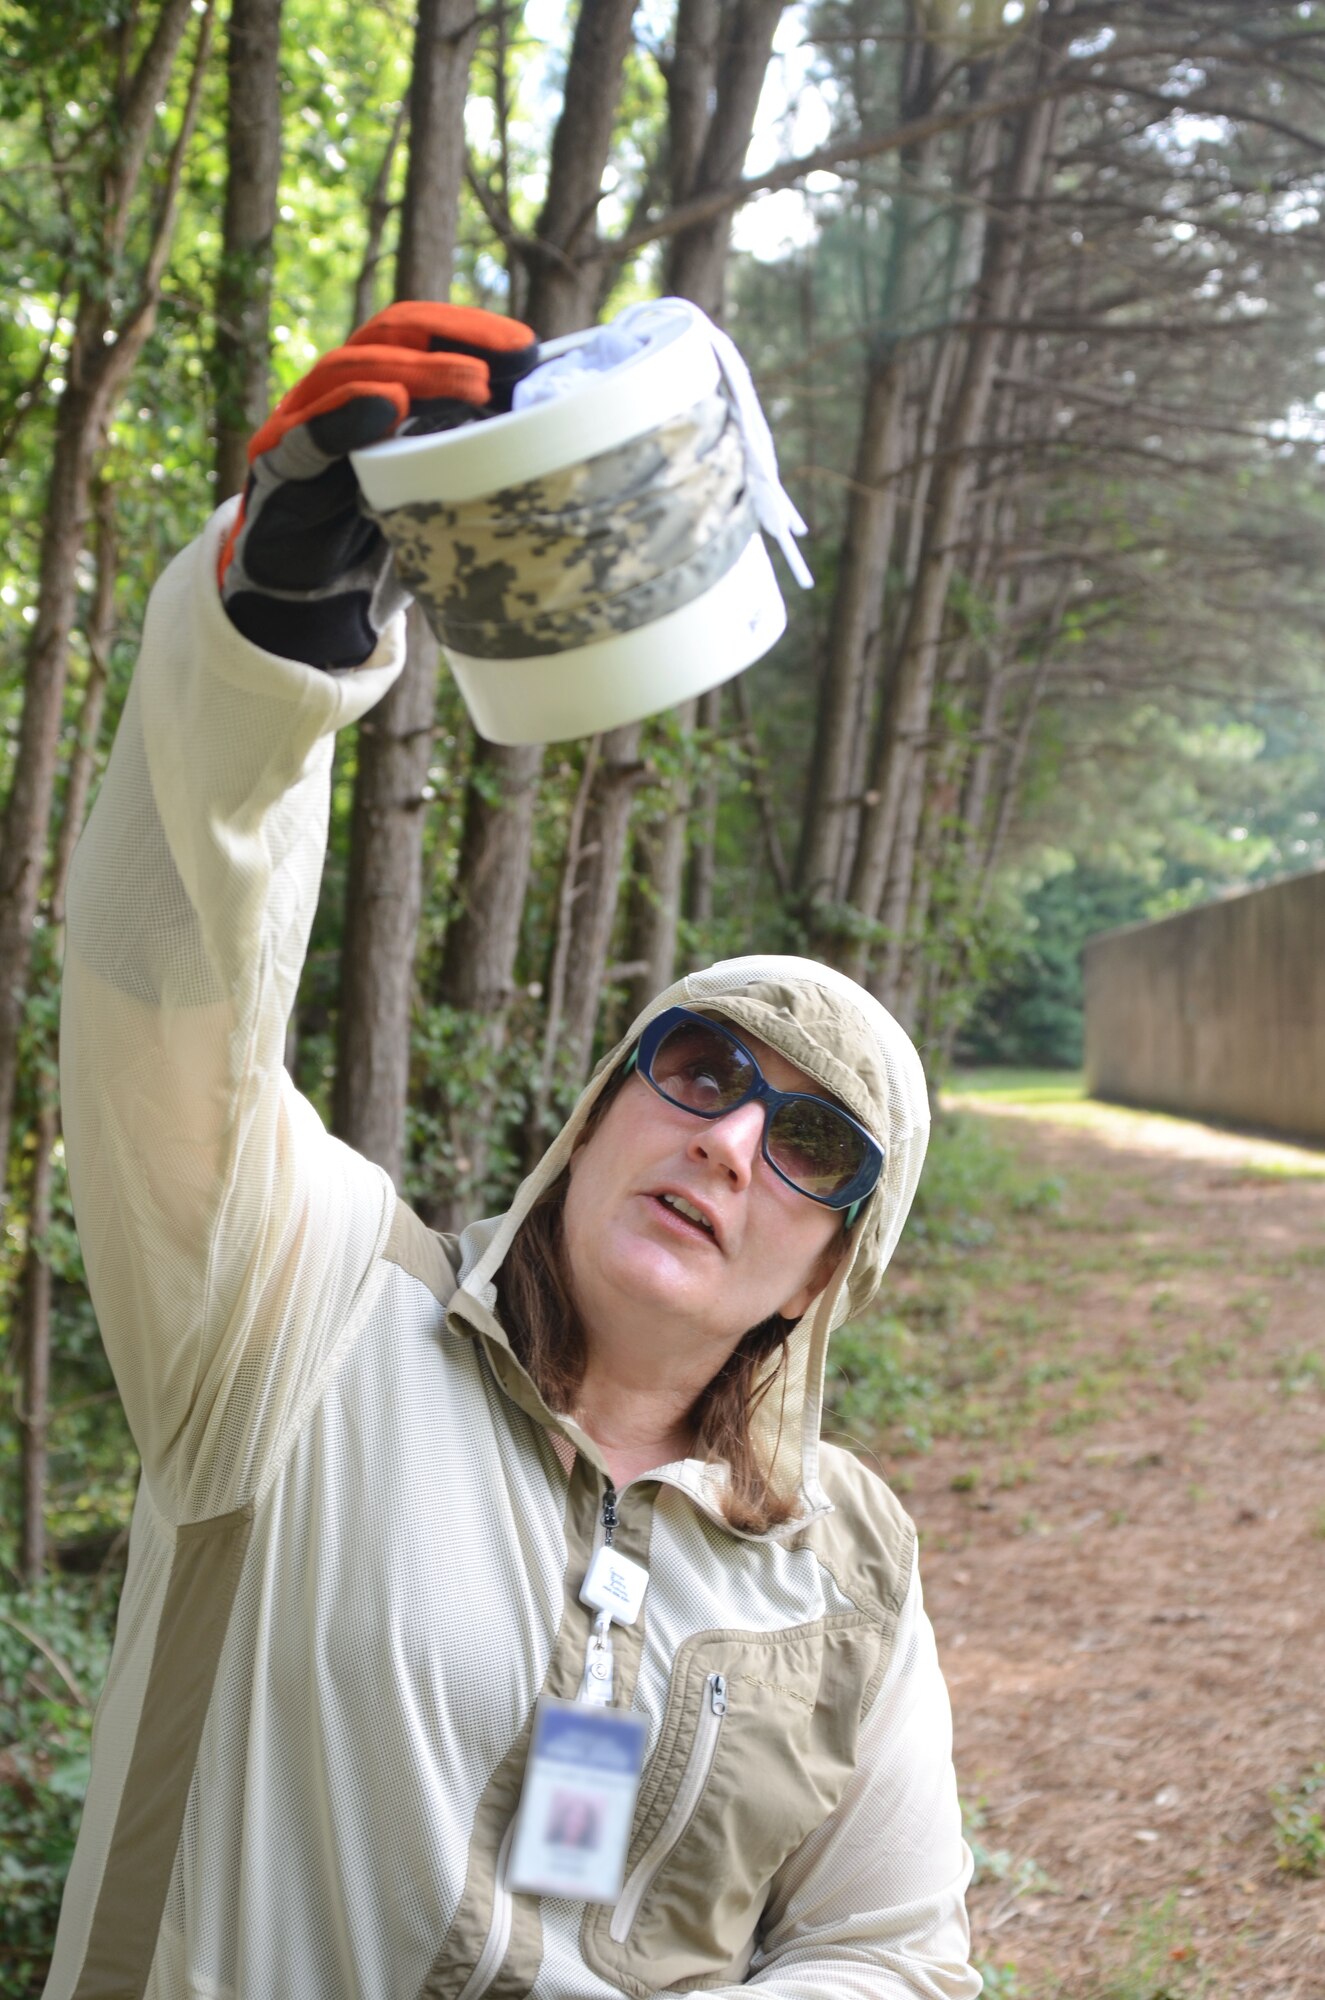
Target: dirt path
{"type": "Point", "coordinates": [1124, 1558]}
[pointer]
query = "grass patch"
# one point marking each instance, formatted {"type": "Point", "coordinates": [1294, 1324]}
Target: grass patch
{"type": "Point", "coordinates": [1019, 1086]}
{"type": "Point", "coordinates": [1298, 1812]}
{"type": "Point", "coordinates": [1300, 1371]}
{"type": "Point", "coordinates": [1160, 1963]}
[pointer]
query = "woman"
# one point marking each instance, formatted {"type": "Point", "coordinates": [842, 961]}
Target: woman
{"type": "Point", "coordinates": [377, 1464]}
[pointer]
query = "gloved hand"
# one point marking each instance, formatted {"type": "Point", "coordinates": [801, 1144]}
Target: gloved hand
{"type": "Point", "coordinates": [304, 572]}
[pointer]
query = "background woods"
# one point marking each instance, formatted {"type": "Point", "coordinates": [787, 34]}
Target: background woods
{"type": "Point", "coordinates": [1035, 298]}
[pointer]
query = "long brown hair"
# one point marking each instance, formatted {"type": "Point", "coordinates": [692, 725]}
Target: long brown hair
{"type": "Point", "coordinates": [536, 1302]}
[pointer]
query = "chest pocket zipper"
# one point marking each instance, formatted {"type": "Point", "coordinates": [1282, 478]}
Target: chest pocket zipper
{"type": "Point", "coordinates": [499, 1930]}
{"type": "Point", "coordinates": [682, 1810]}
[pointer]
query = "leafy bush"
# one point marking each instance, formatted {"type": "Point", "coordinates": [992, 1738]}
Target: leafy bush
{"type": "Point", "coordinates": [54, 1647]}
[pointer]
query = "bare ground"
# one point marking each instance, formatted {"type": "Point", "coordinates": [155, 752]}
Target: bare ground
{"type": "Point", "coordinates": [1128, 1578]}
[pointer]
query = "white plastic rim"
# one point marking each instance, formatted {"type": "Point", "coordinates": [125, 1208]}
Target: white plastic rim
{"type": "Point", "coordinates": [676, 371]}
{"type": "Point", "coordinates": [630, 674]}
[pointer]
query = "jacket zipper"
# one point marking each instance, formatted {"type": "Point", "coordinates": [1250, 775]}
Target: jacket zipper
{"type": "Point", "coordinates": [499, 1930]}
{"type": "Point", "coordinates": [503, 1903]}
{"type": "Point", "coordinates": [681, 1812]}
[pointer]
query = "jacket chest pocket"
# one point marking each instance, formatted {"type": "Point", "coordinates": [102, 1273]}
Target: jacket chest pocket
{"type": "Point", "coordinates": [756, 1747]}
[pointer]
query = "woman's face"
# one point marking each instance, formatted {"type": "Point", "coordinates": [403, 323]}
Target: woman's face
{"type": "Point", "coordinates": [760, 1248]}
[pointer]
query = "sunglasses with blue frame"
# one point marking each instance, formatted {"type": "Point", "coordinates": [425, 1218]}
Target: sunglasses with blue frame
{"type": "Point", "coordinates": [701, 1066]}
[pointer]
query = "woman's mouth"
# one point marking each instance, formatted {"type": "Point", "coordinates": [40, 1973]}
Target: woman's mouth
{"type": "Point", "coordinates": [684, 1213]}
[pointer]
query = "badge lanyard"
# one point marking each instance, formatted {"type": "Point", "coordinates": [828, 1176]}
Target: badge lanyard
{"type": "Point", "coordinates": [585, 1758]}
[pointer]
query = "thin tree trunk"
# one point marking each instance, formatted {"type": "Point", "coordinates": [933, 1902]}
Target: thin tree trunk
{"type": "Point", "coordinates": [713, 86]}
{"type": "Point", "coordinates": [33, 1318]}
{"type": "Point", "coordinates": [704, 851]}
{"type": "Point", "coordinates": [857, 608]}
{"type": "Point", "coordinates": [837, 763]}
{"type": "Point", "coordinates": [696, 259]}
{"type": "Point", "coordinates": [384, 890]}
{"type": "Point", "coordinates": [1010, 780]}
{"type": "Point", "coordinates": [592, 910]}
{"type": "Point", "coordinates": [655, 903]}
{"type": "Point", "coordinates": [478, 966]}
{"type": "Point", "coordinates": [556, 986]}
{"type": "Point", "coordinates": [34, 1340]}
{"type": "Point", "coordinates": [905, 717]}
{"type": "Point", "coordinates": [562, 278]}
{"type": "Point", "coordinates": [79, 424]}
{"type": "Point", "coordinates": [243, 289]}
{"type": "Point", "coordinates": [444, 37]}
{"type": "Point", "coordinates": [379, 214]}
{"type": "Point", "coordinates": [103, 354]}
{"type": "Point", "coordinates": [768, 819]}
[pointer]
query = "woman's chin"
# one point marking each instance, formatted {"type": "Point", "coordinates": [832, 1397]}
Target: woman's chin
{"type": "Point", "coordinates": [673, 1278]}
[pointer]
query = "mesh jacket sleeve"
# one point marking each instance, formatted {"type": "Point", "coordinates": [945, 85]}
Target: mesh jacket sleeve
{"type": "Point", "coordinates": [872, 1905]}
{"type": "Point", "coordinates": [228, 1240]}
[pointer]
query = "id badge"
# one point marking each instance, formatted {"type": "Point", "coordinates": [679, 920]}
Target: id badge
{"type": "Point", "coordinates": [578, 1802]}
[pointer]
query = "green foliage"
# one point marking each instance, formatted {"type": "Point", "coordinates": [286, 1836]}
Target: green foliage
{"type": "Point", "coordinates": [1161, 1962]}
{"type": "Point", "coordinates": [1030, 1011]}
{"type": "Point", "coordinates": [893, 1372]}
{"type": "Point", "coordinates": [968, 1182]}
{"type": "Point", "coordinates": [54, 1648]}
{"type": "Point", "coordinates": [1298, 1812]}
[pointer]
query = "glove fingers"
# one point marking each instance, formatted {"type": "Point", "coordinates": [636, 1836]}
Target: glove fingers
{"type": "Point", "coordinates": [430, 326]}
{"type": "Point", "coordinates": [383, 380]}
{"type": "Point", "coordinates": [367, 411]}
{"type": "Point", "coordinates": [506, 345]}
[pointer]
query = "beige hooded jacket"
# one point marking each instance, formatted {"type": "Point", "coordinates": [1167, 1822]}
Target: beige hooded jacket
{"type": "Point", "coordinates": [359, 1534]}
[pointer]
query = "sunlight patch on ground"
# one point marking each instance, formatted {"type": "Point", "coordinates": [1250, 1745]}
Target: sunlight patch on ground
{"type": "Point", "coordinates": [1060, 1095]}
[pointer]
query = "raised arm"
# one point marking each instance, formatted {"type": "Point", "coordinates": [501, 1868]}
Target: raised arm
{"type": "Point", "coordinates": [228, 1240]}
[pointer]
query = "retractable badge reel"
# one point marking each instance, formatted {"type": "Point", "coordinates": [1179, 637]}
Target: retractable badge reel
{"type": "Point", "coordinates": [586, 1755]}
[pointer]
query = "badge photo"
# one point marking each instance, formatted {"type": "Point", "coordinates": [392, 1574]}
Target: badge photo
{"type": "Point", "coordinates": [578, 1802]}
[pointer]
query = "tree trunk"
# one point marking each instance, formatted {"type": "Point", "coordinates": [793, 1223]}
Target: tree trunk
{"type": "Point", "coordinates": [444, 38]}
{"type": "Point", "coordinates": [857, 608]}
{"type": "Point", "coordinates": [768, 818]}
{"type": "Point", "coordinates": [379, 212]}
{"type": "Point", "coordinates": [562, 278]}
{"type": "Point", "coordinates": [478, 967]}
{"type": "Point", "coordinates": [835, 782]}
{"type": "Point", "coordinates": [655, 903]}
{"type": "Point", "coordinates": [704, 852]}
{"type": "Point", "coordinates": [243, 289]}
{"type": "Point", "coordinates": [592, 910]}
{"type": "Point", "coordinates": [103, 355]}
{"type": "Point", "coordinates": [384, 889]}
{"type": "Point", "coordinates": [383, 898]}
{"type": "Point", "coordinates": [34, 1341]}
{"type": "Point", "coordinates": [697, 258]}
{"type": "Point", "coordinates": [79, 422]}
{"type": "Point", "coordinates": [554, 1011]}
{"type": "Point", "coordinates": [33, 1319]}
{"type": "Point", "coordinates": [713, 84]}
{"type": "Point", "coordinates": [905, 717]}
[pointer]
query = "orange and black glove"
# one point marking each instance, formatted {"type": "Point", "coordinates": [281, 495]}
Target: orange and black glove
{"type": "Point", "coordinates": [304, 571]}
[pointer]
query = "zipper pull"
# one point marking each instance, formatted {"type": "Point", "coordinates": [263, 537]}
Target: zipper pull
{"type": "Point", "coordinates": [718, 1693]}
{"type": "Point", "coordinates": [609, 1514]}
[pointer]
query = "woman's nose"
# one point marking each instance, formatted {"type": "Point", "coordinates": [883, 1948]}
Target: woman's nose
{"type": "Point", "coordinates": [732, 1143]}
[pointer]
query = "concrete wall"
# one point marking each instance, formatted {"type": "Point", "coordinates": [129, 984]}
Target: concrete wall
{"type": "Point", "coordinates": [1219, 1012]}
